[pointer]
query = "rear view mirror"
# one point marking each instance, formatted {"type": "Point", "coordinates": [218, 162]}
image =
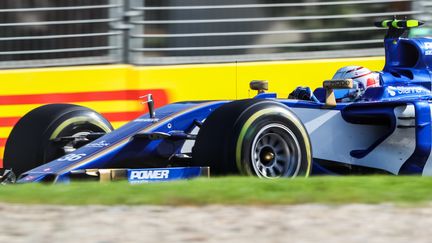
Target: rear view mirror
{"type": "Point", "coordinates": [331, 85]}
{"type": "Point", "coordinates": [259, 85]}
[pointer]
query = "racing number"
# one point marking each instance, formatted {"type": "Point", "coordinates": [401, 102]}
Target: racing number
{"type": "Point", "coordinates": [71, 157]}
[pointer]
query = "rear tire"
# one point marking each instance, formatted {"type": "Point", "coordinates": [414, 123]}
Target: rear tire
{"type": "Point", "coordinates": [29, 144]}
{"type": "Point", "coordinates": [255, 137]}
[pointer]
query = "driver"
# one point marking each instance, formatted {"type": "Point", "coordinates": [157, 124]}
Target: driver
{"type": "Point", "coordinates": [362, 78]}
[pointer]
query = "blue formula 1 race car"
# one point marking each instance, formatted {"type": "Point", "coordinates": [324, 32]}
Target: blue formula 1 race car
{"type": "Point", "coordinates": [385, 128]}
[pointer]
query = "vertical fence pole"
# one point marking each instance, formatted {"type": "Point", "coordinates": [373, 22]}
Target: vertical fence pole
{"type": "Point", "coordinates": [126, 5]}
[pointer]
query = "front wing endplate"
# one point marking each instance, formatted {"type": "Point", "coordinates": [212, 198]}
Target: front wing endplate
{"type": "Point", "coordinates": [135, 176]}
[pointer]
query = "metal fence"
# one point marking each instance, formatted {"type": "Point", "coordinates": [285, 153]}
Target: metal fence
{"type": "Point", "coordinates": [59, 32]}
{"type": "Point", "coordinates": [154, 32]}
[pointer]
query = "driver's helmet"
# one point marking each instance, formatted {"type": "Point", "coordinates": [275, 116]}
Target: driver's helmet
{"type": "Point", "coordinates": [362, 77]}
{"type": "Point", "coordinates": [365, 77]}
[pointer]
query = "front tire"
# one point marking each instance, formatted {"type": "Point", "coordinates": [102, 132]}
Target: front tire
{"type": "Point", "coordinates": [254, 137]}
{"type": "Point", "coordinates": [30, 145]}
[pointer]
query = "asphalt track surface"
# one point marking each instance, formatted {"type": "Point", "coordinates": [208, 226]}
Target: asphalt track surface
{"type": "Point", "coordinates": [301, 223]}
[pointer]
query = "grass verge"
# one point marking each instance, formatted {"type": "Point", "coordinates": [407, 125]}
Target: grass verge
{"type": "Point", "coordinates": [230, 191]}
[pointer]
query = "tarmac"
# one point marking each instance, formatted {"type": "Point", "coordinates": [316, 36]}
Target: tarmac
{"type": "Point", "coordinates": [297, 223]}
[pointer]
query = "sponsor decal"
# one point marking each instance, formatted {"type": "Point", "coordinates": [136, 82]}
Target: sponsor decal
{"type": "Point", "coordinates": [162, 174]}
{"type": "Point", "coordinates": [100, 144]}
{"type": "Point", "coordinates": [149, 174]}
{"type": "Point", "coordinates": [400, 90]}
{"type": "Point", "coordinates": [391, 91]}
{"type": "Point", "coordinates": [146, 120]}
{"type": "Point", "coordinates": [428, 47]}
{"type": "Point", "coordinates": [331, 84]}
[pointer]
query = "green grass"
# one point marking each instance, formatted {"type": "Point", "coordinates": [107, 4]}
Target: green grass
{"type": "Point", "coordinates": [230, 190]}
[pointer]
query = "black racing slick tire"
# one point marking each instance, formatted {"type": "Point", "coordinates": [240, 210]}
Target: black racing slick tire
{"type": "Point", "coordinates": [254, 137]}
{"type": "Point", "coordinates": [30, 145]}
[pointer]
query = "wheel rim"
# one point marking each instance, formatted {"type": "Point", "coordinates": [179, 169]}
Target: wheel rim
{"type": "Point", "coordinates": [275, 152]}
{"type": "Point", "coordinates": [52, 151]}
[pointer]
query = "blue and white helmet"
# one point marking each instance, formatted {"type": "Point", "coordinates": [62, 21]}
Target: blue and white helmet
{"type": "Point", "coordinates": [364, 77]}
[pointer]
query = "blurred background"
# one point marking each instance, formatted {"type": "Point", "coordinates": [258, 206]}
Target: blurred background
{"type": "Point", "coordinates": [38, 33]}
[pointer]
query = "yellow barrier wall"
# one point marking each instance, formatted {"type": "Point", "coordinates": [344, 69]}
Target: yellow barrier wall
{"type": "Point", "coordinates": [231, 81]}
{"type": "Point", "coordinates": [113, 90]}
